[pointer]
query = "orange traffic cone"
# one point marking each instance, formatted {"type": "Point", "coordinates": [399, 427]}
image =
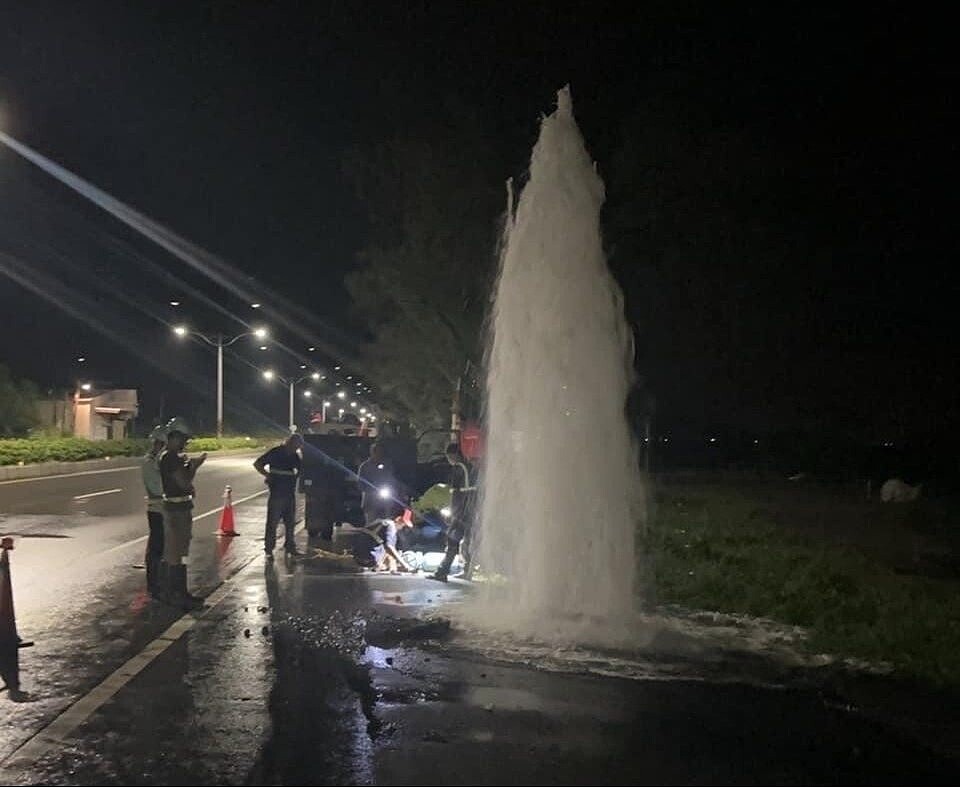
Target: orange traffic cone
{"type": "Point", "coordinates": [226, 515]}
{"type": "Point", "coordinates": [10, 642]}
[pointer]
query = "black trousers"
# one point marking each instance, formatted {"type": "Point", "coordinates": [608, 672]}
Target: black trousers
{"type": "Point", "coordinates": [280, 506]}
{"type": "Point", "coordinates": [154, 556]}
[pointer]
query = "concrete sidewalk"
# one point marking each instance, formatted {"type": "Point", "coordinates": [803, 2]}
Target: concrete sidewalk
{"type": "Point", "coordinates": [303, 672]}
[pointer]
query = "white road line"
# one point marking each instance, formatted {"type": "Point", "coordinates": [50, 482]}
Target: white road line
{"type": "Point", "coordinates": [141, 539]}
{"type": "Point", "coordinates": [59, 730]}
{"type": "Point", "coordinates": [70, 475]}
{"type": "Point", "coordinates": [97, 494]}
{"type": "Point", "coordinates": [212, 460]}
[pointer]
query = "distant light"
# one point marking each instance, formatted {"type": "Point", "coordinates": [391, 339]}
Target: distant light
{"type": "Point", "coordinates": [268, 375]}
{"type": "Point", "coordinates": [336, 368]}
{"type": "Point", "coordinates": [263, 347]}
{"type": "Point", "coordinates": [308, 394]}
{"type": "Point", "coordinates": [666, 439]}
{"type": "Point", "coordinates": [756, 442]}
{"type": "Point", "coordinates": [326, 404]}
{"type": "Point", "coordinates": [315, 375]}
{"type": "Point", "coordinates": [353, 404]}
{"type": "Point", "coordinates": [349, 376]}
{"type": "Point", "coordinates": [180, 330]}
{"type": "Point", "coordinates": [254, 305]}
{"type": "Point", "coordinates": [386, 492]}
{"type": "Point", "coordinates": [445, 511]}
{"type": "Point", "coordinates": [86, 386]}
{"type": "Point", "coordinates": [341, 411]}
{"type": "Point", "coordinates": [260, 333]}
{"type": "Point", "coordinates": [363, 411]}
{"type": "Point", "coordinates": [713, 439]}
{"type": "Point", "coordinates": [174, 303]}
{"type": "Point", "coordinates": [303, 366]}
{"type": "Point", "coordinates": [373, 418]}
{"type": "Point", "coordinates": [311, 349]}
{"type": "Point", "coordinates": [81, 359]}
{"type": "Point", "coordinates": [341, 394]}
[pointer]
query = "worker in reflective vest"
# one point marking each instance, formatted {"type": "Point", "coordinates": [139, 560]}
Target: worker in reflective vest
{"type": "Point", "coordinates": [281, 466]}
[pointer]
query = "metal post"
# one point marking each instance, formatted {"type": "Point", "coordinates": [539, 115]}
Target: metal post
{"type": "Point", "coordinates": [291, 422]}
{"type": "Point", "coordinates": [219, 387]}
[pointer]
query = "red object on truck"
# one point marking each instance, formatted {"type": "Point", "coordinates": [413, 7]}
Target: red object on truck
{"type": "Point", "coordinates": [471, 441]}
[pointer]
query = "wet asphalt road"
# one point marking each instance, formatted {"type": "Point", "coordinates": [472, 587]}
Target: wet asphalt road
{"type": "Point", "coordinates": [305, 674]}
{"type": "Point", "coordinates": [78, 591]}
{"type": "Point", "coordinates": [302, 672]}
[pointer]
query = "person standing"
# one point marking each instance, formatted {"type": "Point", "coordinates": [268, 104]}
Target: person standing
{"type": "Point", "coordinates": [378, 486]}
{"type": "Point", "coordinates": [280, 466]}
{"type": "Point", "coordinates": [153, 485]}
{"type": "Point", "coordinates": [461, 514]}
{"type": "Point", "coordinates": [177, 471]}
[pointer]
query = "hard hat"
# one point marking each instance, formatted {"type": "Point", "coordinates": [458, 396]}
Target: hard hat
{"type": "Point", "coordinates": [178, 424]}
{"type": "Point", "coordinates": [158, 434]}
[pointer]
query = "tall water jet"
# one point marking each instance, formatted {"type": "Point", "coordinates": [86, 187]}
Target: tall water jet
{"type": "Point", "coordinates": [562, 489]}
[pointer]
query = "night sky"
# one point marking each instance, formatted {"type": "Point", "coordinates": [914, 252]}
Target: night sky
{"type": "Point", "coordinates": [797, 271]}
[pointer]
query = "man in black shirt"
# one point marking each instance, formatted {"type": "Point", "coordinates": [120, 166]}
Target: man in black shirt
{"type": "Point", "coordinates": [281, 466]}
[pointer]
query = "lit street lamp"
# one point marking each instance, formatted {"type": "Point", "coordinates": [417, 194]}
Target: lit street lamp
{"type": "Point", "coordinates": [269, 374]}
{"type": "Point", "coordinates": [219, 341]}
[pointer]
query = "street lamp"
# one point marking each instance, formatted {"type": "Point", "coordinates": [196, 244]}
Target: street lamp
{"type": "Point", "coordinates": [323, 415]}
{"type": "Point", "coordinates": [269, 374]}
{"type": "Point", "coordinates": [219, 341]}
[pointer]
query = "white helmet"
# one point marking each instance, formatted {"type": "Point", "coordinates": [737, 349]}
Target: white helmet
{"type": "Point", "coordinates": [158, 434]}
{"type": "Point", "coordinates": [178, 424]}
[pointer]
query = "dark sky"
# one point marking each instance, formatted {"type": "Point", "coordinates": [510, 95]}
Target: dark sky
{"type": "Point", "coordinates": [808, 260]}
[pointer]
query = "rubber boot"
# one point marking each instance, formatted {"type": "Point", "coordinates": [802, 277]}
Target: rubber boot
{"type": "Point", "coordinates": [161, 591]}
{"type": "Point", "coordinates": [179, 595]}
{"type": "Point", "coordinates": [153, 577]}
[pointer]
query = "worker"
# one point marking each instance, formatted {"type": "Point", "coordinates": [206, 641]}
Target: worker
{"type": "Point", "coordinates": [461, 514]}
{"type": "Point", "coordinates": [153, 485]}
{"type": "Point", "coordinates": [177, 471]}
{"type": "Point", "coordinates": [281, 466]}
{"type": "Point", "coordinates": [378, 486]}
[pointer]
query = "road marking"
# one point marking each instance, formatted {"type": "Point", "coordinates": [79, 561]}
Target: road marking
{"type": "Point", "coordinates": [97, 494]}
{"type": "Point", "coordinates": [141, 539]}
{"type": "Point", "coordinates": [55, 734]}
{"type": "Point", "coordinates": [211, 460]}
{"type": "Point", "coordinates": [70, 475]}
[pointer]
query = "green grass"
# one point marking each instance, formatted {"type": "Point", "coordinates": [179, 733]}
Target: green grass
{"type": "Point", "coordinates": [721, 548]}
{"type": "Point", "coordinates": [74, 449]}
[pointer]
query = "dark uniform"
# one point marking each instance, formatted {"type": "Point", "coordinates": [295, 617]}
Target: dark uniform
{"type": "Point", "coordinates": [283, 467]}
{"type": "Point", "coordinates": [462, 502]}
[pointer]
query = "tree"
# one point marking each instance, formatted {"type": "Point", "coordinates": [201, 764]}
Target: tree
{"type": "Point", "coordinates": [18, 405]}
{"type": "Point", "coordinates": [421, 290]}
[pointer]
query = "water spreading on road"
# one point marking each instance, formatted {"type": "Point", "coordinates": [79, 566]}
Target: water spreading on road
{"type": "Point", "coordinates": [563, 494]}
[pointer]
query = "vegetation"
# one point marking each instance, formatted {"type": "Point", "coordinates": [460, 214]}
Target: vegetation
{"type": "Point", "coordinates": [17, 405]}
{"type": "Point", "coordinates": [74, 449]}
{"type": "Point", "coordinates": [725, 548]}
{"type": "Point", "coordinates": [422, 286]}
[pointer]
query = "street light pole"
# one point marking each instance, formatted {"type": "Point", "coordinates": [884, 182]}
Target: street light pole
{"type": "Point", "coordinates": [219, 342]}
{"type": "Point", "coordinates": [291, 421]}
{"type": "Point", "coordinates": [219, 387]}
{"type": "Point", "coordinates": [269, 374]}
